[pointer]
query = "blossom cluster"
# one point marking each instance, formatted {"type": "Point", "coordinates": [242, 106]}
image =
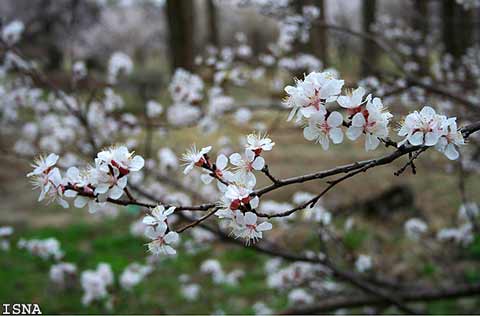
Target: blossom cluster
{"type": "Point", "coordinates": [298, 276]}
{"type": "Point", "coordinates": [5, 233]}
{"type": "Point", "coordinates": [238, 202]}
{"type": "Point", "coordinates": [12, 32]}
{"type": "Point", "coordinates": [95, 283]}
{"type": "Point", "coordinates": [44, 248]}
{"type": "Point", "coordinates": [158, 231]}
{"type": "Point", "coordinates": [431, 129]}
{"type": "Point", "coordinates": [119, 63]}
{"type": "Point", "coordinates": [309, 100]}
{"type": "Point", "coordinates": [61, 273]}
{"type": "Point", "coordinates": [219, 276]}
{"type": "Point", "coordinates": [107, 179]}
{"type": "Point", "coordinates": [133, 274]}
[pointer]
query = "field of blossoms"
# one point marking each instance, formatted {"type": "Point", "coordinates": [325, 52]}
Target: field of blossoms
{"type": "Point", "coordinates": [240, 157]}
{"type": "Point", "coordinates": [237, 280]}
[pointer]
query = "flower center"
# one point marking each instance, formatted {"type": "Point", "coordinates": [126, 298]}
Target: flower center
{"type": "Point", "coordinates": [123, 171]}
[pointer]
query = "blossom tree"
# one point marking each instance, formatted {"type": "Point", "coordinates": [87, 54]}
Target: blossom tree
{"type": "Point", "coordinates": [87, 154]}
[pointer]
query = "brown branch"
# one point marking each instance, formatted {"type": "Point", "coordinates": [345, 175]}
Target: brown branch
{"type": "Point", "coordinates": [81, 192]}
{"type": "Point", "coordinates": [416, 295]}
{"type": "Point", "coordinates": [266, 171]}
{"type": "Point", "coordinates": [198, 221]}
{"type": "Point", "coordinates": [359, 166]}
{"type": "Point", "coordinates": [369, 288]}
{"type": "Point", "coordinates": [412, 157]}
{"type": "Point", "coordinates": [267, 248]}
{"type": "Point", "coordinates": [129, 195]}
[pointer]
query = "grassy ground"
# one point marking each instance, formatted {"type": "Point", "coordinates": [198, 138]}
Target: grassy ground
{"type": "Point", "coordinates": [25, 278]}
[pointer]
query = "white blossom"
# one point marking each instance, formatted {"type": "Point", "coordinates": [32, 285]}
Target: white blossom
{"type": "Point", "coordinates": [190, 291]}
{"type": "Point", "coordinates": [158, 215]}
{"type": "Point", "coordinates": [244, 166]}
{"type": "Point", "coordinates": [242, 116]}
{"type": "Point", "coordinates": [95, 283]}
{"type": "Point", "coordinates": [220, 172]}
{"type": "Point", "coordinates": [48, 179]}
{"type": "Point", "coordinates": [259, 143]}
{"type": "Point", "coordinates": [310, 95]}
{"type": "Point", "coordinates": [133, 274]}
{"type": "Point", "coordinates": [353, 101]}
{"type": "Point", "coordinates": [194, 158]}
{"type": "Point", "coordinates": [79, 70]}
{"type": "Point", "coordinates": [321, 130]}
{"type": "Point", "coordinates": [12, 32]}
{"type": "Point", "coordinates": [153, 109]}
{"type": "Point", "coordinates": [422, 128]}
{"type": "Point", "coordinates": [363, 263]}
{"type": "Point", "coordinates": [248, 228]}
{"type": "Point", "coordinates": [450, 140]}
{"type": "Point", "coordinates": [373, 121]}
{"type": "Point", "coordinates": [182, 114]}
{"type": "Point", "coordinates": [44, 248]}
{"type": "Point", "coordinates": [415, 227]}
{"type": "Point", "coordinates": [121, 159]}
{"type": "Point", "coordinates": [261, 308]}
{"type": "Point", "coordinates": [186, 87]}
{"type": "Point", "coordinates": [300, 296]}
{"type": "Point", "coordinates": [240, 196]}
{"type": "Point", "coordinates": [61, 272]}
{"type": "Point", "coordinates": [167, 159]}
{"type": "Point", "coordinates": [161, 240]}
{"type": "Point", "coordinates": [119, 63]}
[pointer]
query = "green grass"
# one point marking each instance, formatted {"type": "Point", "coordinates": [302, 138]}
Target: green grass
{"type": "Point", "coordinates": [25, 279]}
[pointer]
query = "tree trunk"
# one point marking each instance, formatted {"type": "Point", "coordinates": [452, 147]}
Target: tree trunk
{"type": "Point", "coordinates": [369, 54]}
{"type": "Point", "coordinates": [420, 22]}
{"type": "Point", "coordinates": [213, 37]}
{"type": "Point", "coordinates": [180, 23]}
{"type": "Point", "coordinates": [319, 36]}
{"type": "Point", "coordinates": [457, 28]}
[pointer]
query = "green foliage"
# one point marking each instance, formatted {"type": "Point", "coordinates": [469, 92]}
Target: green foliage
{"type": "Point", "coordinates": [355, 238]}
{"type": "Point", "coordinates": [474, 248]}
{"type": "Point", "coordinates": [429, 269]}
{"type": "Point", "coordinates": [472, 275]}
{"type": "Point", "coordinates": [25, 277]}
{"type": "Point", "coordinates": [442, 307]}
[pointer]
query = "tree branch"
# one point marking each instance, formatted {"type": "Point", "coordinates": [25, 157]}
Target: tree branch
{"type": "Point", "coordinates": [418, 295]}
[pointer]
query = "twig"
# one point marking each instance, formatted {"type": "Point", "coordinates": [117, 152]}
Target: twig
{"type": "Point", "coordinates": [198, 221]}
{"type": "Point", "coordinates": [412, 157]}
{"type": "Point", "coordinates": [129, 195]}
{"type": "Point", "coordinates": [266, 171]}
{"type": "Point", "coordinates": [311, 203]}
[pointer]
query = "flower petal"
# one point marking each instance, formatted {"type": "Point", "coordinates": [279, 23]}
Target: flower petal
{"type": "Point", "coordinates": [335, 119]}
{"type": "Point", "coordinates": [258, 163]}
{"type": "Point", "coordinates": [336, 134]}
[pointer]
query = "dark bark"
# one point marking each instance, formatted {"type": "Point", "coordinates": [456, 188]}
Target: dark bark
{"type": "Point", "coordinates": [420, 295]}
{"type": "Point", "coordinates": [369, 8]}
{"type": "Point", "coordinates": [180, 23]}
{"type": "Point", "coordinates": [213, 36]}
{"type": "Point", "coordinates": [420, 22]}
{"type": "Point", "coordinates": [319, 35]}
{"type": "Point", "coordinates": [457, 29]}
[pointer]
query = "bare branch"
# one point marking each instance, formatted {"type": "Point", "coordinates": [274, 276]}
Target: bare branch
{"type": "Point", "coordinates": [416, 295]}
